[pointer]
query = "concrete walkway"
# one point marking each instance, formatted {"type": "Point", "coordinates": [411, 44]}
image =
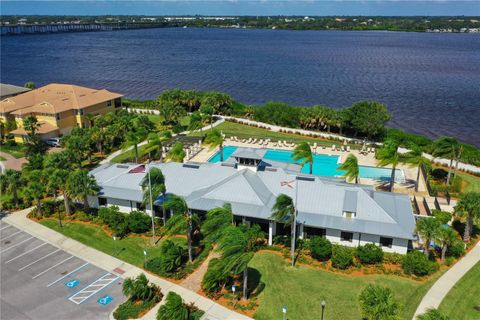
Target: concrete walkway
{"type": "Point", "coordinates": [213, 310]}
{"type": "Point", "coordinates": [440, 289]}
{"type": "Point", "coordinates": [11, 162]}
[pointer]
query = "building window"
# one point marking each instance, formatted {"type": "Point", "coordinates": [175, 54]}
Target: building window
{"type": "Point", "coordinates": [310, 232]}
{"type": "Point", "coordinates": [386, 242]}
{"type": "Point", "coordinates": [57, 116]}
{"type": "Point", "coordinates": [349, 214]}
{"type": "Point", "coordinates": [140, 206]}
{"type": "Point", "coordinates": [346, 236]}
{"type": "Point", "coordinates": [109, 103]}
{"type": "Point", "coordinates": [102, 201]}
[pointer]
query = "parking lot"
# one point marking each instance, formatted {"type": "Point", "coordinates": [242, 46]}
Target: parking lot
{"type": "Point", "coordinates": [40, 281]}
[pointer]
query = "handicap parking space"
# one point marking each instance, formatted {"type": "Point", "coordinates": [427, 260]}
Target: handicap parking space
{"type": "Point", "coordinates": [40, 281]}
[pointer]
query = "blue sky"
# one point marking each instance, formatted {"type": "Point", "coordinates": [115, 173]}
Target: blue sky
{"type": "Point", "coordinates": [240, 7]}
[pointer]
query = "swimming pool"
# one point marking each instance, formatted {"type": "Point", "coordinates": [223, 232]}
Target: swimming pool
{"type": "Point", "coordinates": [323, 165]}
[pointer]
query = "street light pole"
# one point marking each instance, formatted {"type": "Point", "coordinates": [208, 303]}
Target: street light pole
{"type": "Point", "coordinates": [294, 224]}
{"type": "Point", "coordinates": [323, 308]}
{"type": "Point", "coordinates": [151, 203]}
{"type": "Point", "coordinates": [284, 311]}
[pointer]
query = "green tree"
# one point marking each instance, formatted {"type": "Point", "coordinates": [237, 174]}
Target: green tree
{"type": "Point", "coordinates": [30, 85]}
{"type": "Point", "coordinates": [216, 221]}
{"type": "Point", "coordinates": [238, 246]}
{"type": "Point", "coordinates": [36, 190]}
{"type": "Point", "coordinates": [157, 180]}
{"type": "Point", "coordinates": [350, 166]}
{"type": "Point", "coordinates": [176, 153]}
{"type": "Point", "coordinates": [79, 145]}
{"type": "Point", "coordinates": [81, 185]}
{"type": "Point", "coordinates": [304, 154]}
{"type": "Point", "coordinates": [378, 303]}
{"type": "Point", "coordinates": [155, 143]}
{"type": "Point", "coordinates": [34, 144]}
{"type": "Point", "coordinates": [133, 138]}
{"type": "Point", "coordinates": [415, 158]}
{"type": "Point", "coordinates": [180, 207]}
{"type": "Point", "coordinates": [221, 103]}
{"type": "Point", "coordinates": [449, 148]}
{"type": "Point", "coordinates": [428, 229]}
{"type": "Point", "coordinates": [283, 211]}
{"type": "Point", "coordinates": [139, 288]}
{"type": "Point", "coordinates": [196, 121]}
{"type": "Point", "coordinates": [468, 207]}
{"type": "Point", "coordinates": [14, 182]}
{"type": "Point", "coordinates": [214, 139]}
{"type": "Point", "coordinates": [389, 155]}
{"type": "Point", "coordinates": [207, 113]}
{"type": "Point", "coordinates": [433, 314]}
{"type": "Point", "coordinates": [170, 112]}
{"type": "Point", "coordinates": [173, 308]}
{"type": "Point", "coordinates": [445, 237]}
{"type": "Point", "coordinates": [368, 117]}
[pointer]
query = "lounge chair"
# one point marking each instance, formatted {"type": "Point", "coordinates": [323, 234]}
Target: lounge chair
{"type": "Point", "coordinates": [333, 147]}
{"type": "Point", "coordinates": [253, 141]}
{"type": "Point", "coordinates": [348, 148]}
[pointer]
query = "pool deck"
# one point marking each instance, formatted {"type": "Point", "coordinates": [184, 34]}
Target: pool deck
{"type": "Point", "coordinates": [365, 160]}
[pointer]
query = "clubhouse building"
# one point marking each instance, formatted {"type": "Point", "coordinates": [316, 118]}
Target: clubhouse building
{"type": "Point", "coordinates": [346, 214]}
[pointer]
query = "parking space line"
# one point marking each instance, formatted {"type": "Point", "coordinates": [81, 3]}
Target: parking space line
{"type": "Point", "coordinates": [8, 226]}
{"type": "Point", "coordinates": [21, 255]}
{"type": "Point", "coordinates": [44, 271]}
{"type": "Point", "coordinates": [80, 296]}
{"type": "Point", "coordinates": [61, 278]}
{"type": "Point", "coordinates": [11, 235]}
{"type": "Point", "coordinates": [15, 245]}
{"type": "Point", "coordinates": [32, 263]}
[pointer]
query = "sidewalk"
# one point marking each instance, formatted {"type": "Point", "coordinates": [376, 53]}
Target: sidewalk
{"type": "Point", "coordinates": [440, 289]}
{"type": "Point", "coordinates": [102, 260]}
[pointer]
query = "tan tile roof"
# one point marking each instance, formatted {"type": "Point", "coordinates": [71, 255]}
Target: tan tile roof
{"type": "Point", "coordinates": [45, 127]}
{"type": "Point", "coordinates": [54, 98]}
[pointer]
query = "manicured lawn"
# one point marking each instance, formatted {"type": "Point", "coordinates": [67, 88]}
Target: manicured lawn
{"type": "Point", "coordinates": [130, 154]}
{"type": "Point", "coordinates": [472, 183]}
{"type": "Point", "coordinates": [463, 300]}
{"type": "Point", "coordinates": [302, 289]}
{"type": "Point", "coordinates": [128, 249]}
{"type": "Point", "coordinates": [17, 151]}
{"type": "Point", "coordinates": [242, 131]}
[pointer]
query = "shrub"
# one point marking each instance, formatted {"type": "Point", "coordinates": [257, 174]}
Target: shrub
{"type": "Point", "coordinates": [417, 263]}
{"type": "Point", "coordinates": [377, 302]}
{"type": "Point", "coordinates": [456, 250]}
{"type": "Point", "coordinates": [282, 240]}
{"type": "Point", "coordinates": [175, 308]}
{"type": "Point", "coordinates": [449, 261]}
{"type": "Point", "coordinates": [138, 222]}
{"type": "Point", "coordinates": [215, 276]}
{"type": "Point", "coordinates": [131, 310]}
{"type": "Point", "coordinates": [320, 248]}
{"type": "Point", "coordinates": [48, 207]}
{"type": "Point", "coordinates": [370, 254]}
{"type": "Point", "coordinates": [82, 216]}
{"type": "Point", "coordinates": [172, 258]}
{"type": "Point", "coordinates": [342, 257]}
{"type": "Point", "coordinates": [433, 314]}
{"type": "Point", "coordinates": [114, 219]}
{"type": "Point", "coordinates": [392, 257]}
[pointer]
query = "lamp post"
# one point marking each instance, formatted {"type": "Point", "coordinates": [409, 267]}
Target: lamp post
{"type": "Point", "coordinates": [284, 311]}
{"type": "Point", "coordinates": [151, 203]}
{"type": "Point", "coordinates": [144, 257]}
{"type": "Point", "coordinates": [323, 309]}
{"type": "Point", "coordinates": [234, 296]}
{"type": "Point", "coordinates": [115, 243]}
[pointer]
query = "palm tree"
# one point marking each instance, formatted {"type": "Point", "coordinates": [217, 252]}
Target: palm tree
{"type": "Point", "coordinates": [196, 121]}
{"type": "Point", "coordinates": [238, 246]}
{"type": "Point", "coordinates": [378, 303]}
{"type": "Point", "coordinates": [176, 154]}
{"type": "Point", "coordinates": [31, 125]}
{"type": "Point", "coordinates": [415, 158]}
{"type": "Point", "coordinates": [13, 181]}
{"type": "Point", "coordinates": [216, 221]}
{"type": "Point", "coordinates": [284, 211]}
{"type": "Point", "coordinates": [81, 185]}
{"type": "Point", "coordinates": [139, 288]}
{"type": "Point", "coordinates": [350, 166]}
{"type": "Point", "coordinates": [427, 228]}
{"type": "Point", "coordinates": [449, 148]}
{"type": "Point", "coordinates": [154, 144]}
{"type": "Point", "coordinates": [446, 237]}
{"type": "Point", "coordinates": [179, 205]}
{"type": "Point", "coordinates": [157, 180]}
{"type": "Point", "coordinates": [133, 138]}
{"type": "Point", "coordinates": [36, 190]}
{"type": "Point", "coordinates": [469, 207]}
{"type": "Point", "coordinates": [30, 85]}
{"type": "Point", "coordinates": [389, 155]}
{"type": "Point", "coordinates": [214, 138]}
{"type": "Point", "coordinates": [303, 153]}
{"type": "Point", "coordinates": [173, 308]}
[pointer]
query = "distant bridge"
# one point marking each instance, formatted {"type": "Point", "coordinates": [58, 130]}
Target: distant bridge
{"type": "Point", "coordinates": [75, 27]}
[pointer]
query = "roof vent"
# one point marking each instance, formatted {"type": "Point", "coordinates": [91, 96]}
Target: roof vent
{"type": "Point", "coordinates": [271, 169]}
{"type": "Point", "coordinates": [122, 166]}
{"type": "Point", "coordinates": [302, 178]}
{"type": "Point", "coordinates": [226, 164]}
{"type": "Point", "coordinates": [191, 166]}
{"type": "Point", "coordinates": [65, 99]}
